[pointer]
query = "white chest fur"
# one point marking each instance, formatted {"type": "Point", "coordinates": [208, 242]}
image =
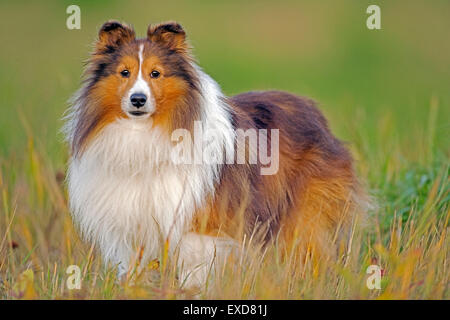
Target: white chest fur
{"type": "Point", "coordinates": [124, 193]}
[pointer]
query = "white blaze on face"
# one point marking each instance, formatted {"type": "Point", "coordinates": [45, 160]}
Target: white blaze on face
{"type": "Point", "coordinates": [140, 86]}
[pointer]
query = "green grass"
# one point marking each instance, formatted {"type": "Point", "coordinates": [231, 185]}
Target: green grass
{"type": "Point", "coordinates": [384, 92]}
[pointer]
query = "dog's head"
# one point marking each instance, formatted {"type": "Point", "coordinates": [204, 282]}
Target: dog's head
{"type": "Point", "coordinates": [149, 79]}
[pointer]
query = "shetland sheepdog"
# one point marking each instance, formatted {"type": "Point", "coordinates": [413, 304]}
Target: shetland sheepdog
{"type": "Point", "coordinates": [130, 196]}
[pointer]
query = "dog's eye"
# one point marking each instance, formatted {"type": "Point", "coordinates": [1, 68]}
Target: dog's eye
{"type": "Point", "coordinates": [154, 74]}
{"type": "Point", "coordinates": [125, 73]}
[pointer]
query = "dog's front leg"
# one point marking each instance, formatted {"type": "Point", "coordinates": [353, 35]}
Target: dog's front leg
{"type": "Point", "coordinates": [200, 256]}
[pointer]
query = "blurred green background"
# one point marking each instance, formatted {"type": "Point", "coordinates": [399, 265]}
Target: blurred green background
{"type": "Point", "coordinates": [374, 86]}
{"type": "Point", "coordinates": [386, 92]}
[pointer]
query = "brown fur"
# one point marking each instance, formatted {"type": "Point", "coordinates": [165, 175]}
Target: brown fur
{"type": "Point", "coordinates": [314, 194]}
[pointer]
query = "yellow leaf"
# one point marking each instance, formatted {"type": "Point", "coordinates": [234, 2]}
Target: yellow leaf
{"type": "Point", "coordinates": [153, 265]}
{"type": "Point", "coordinates": [24, 286]}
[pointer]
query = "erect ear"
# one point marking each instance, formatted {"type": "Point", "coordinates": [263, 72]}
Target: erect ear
{"type": "Point", "coordinates": [169, 34]}
{"type": "Point", "coordinates": [113, 34]}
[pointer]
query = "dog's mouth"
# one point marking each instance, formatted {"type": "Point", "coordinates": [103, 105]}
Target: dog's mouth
{"type": "Point", "coordinates": [137, 113]}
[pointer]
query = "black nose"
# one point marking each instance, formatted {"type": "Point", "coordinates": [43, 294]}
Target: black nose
{"type": "Point", "coordinates": [138, 99]}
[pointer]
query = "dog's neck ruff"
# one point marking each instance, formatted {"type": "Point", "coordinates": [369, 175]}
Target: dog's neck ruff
{"type": "Point", "coordinates": [125, 193]}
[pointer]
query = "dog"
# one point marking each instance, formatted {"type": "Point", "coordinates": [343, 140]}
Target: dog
{"type": "Point", "coordinates": [129, 194]}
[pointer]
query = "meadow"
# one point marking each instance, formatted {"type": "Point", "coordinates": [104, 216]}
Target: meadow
{"type": "Point", "coordinates": [385, 92]}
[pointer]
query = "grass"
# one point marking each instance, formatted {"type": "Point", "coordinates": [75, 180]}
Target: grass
{"type": "Point", "coordinates": [385, 92]}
